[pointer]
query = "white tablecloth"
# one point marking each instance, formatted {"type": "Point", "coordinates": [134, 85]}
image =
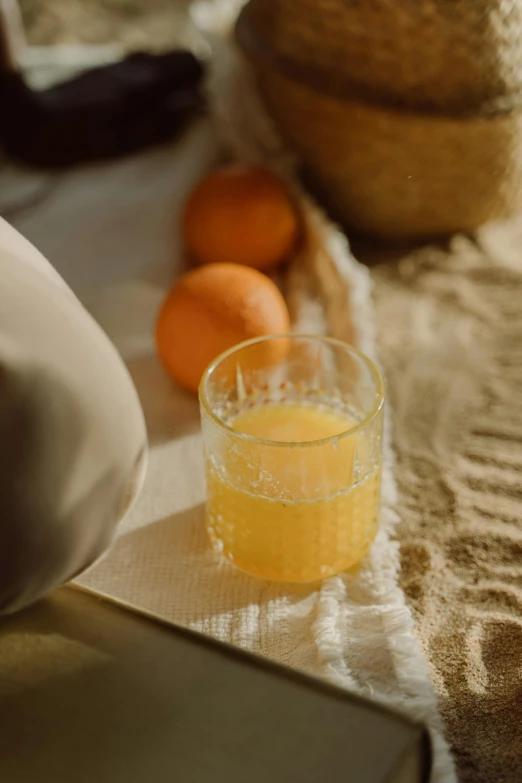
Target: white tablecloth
{"type": "Point", "coordinates": [113, 233]}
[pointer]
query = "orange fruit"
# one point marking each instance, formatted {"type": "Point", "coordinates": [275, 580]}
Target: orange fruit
{"type": "Point", "coordinates": [211, 309]}
{"type": "Point", "coordinates": [240, 215]}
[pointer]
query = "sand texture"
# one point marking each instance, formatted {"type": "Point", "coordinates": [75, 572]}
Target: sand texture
{"type": "Point", "coordinates": [450, 338]}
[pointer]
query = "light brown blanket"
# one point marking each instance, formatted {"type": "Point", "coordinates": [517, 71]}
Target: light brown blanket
{"type": "Point", "coordinates": [450, 333]}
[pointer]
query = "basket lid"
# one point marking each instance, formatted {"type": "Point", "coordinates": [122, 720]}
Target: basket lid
{"type": "Point", "coordinates": [418, 54]}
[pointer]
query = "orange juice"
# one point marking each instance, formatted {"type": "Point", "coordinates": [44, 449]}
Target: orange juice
{"type": "Point", "coordinates": [300, 504]}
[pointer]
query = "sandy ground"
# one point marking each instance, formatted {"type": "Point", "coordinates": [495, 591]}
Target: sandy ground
{"type": "Point", "coordinates": [450, 331]}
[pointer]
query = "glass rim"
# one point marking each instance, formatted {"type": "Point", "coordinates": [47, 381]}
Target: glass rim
{"type": "Point", "coordinates": [333, 341]}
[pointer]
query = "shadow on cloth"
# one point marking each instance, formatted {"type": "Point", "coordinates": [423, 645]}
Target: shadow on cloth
{"type": "Point", "coordinates": [170, 568]}
{"type": "Point", "coordinates": [169, 411]}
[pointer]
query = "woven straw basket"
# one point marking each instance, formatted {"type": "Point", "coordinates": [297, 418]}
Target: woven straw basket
{"type": "Point", "coordinates": [408, 118]}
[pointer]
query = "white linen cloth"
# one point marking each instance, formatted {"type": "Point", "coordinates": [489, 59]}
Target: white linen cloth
{"type": "Point", "coordinates": [113, 234]}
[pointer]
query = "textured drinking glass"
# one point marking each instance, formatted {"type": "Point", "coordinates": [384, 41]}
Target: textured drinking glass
{"type": "Point", "coordinates": [292, 430]}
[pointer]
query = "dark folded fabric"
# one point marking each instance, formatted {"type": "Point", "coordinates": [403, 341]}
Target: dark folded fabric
{"type": "Point", "coordinates": [105, 113]}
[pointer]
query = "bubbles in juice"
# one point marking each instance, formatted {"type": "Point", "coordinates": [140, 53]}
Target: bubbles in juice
{"type": "Point", "coordinates": [296, 508]}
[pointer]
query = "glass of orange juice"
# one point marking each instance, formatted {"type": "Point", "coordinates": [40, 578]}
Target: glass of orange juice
{"type": "Point", "coordinates": [292, 430]}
